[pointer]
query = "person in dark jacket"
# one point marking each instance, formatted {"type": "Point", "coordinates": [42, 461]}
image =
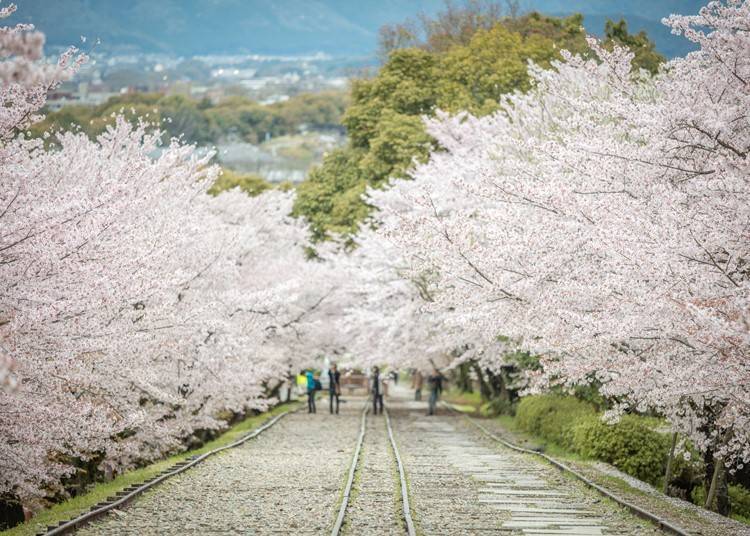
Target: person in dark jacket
{"type": "Point", "coordinates": [310, 391]}
{"type": "Point", "coordinates": [334, 387]}
{"type": "Point", "coordinates": [435, 383]}
{"type": "Point", "coordinates": [376, 389]}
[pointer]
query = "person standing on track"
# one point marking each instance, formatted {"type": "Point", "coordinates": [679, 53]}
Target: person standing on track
{"type": "Point", "coordinates": [416, 383]}
{"type": "Point", "coordinates": [310, 391]}
{"type": "Point", "coordinates": [435, 382]}
{"type": "Point", "coordinates": [334, 387]}
{"type": "Point", "coordinates": [376, 389]}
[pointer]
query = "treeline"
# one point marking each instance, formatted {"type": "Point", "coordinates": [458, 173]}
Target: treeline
{"type": "Point", "coordinates": [202, 121]}
{"type": "Point", "coordinates": [466, 58]}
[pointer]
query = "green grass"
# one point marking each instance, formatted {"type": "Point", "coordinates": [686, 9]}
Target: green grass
{"type": "Point", "coordinates": [100, 491]}
{"type": "Point", "coordinates": [464, 408]}
{"type": "Point", "coordinates": [463, 402]}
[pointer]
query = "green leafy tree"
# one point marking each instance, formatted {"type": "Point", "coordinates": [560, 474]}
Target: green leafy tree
{"type": "Point", "coordinates": [331, 195]}
{"type": "Point", "coordinates": [475, 76]}
{"type": "Point", "coordinates": [400, 139]}
{"type": "Point", "coordinates": [406, 85]}
{"type": "Point", "coordinates": [184, 119]}
{"type": "Point", "coordinates": [250, 184]}
{"type": "Point", "coordinates": [646, 56]}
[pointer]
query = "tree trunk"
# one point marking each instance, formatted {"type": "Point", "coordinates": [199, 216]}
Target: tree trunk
{"type": "Point", "coordinates": [716, 485]}
{"type": "Point", "coordinates": [722, 493]}
{"type": "Point", "coordinates": [711, 494]}
{"type": "Point", "coordinates": [273, 392]}
{"type": "Point", "coordinates": [497, 387]}
{"type": "Point", "coordinates": [463, 381]}
{"type": "Point", "coordinates": [484, 389]}
{"type": "Point", "coordinates": [11, 511]}
{"type": "Point", "coordinates": [670, 460]}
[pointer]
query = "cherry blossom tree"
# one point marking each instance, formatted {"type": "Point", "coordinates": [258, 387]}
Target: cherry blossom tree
{"type": "Point", "coordinates": [603, 224]}
{"type": "Point", "coordinates": [135, 310]}
{"type": "Point", "coordinates": [383, 315]}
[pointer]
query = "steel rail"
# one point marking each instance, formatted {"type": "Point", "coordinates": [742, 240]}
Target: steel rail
{"type": "Point", "coordinates": [410, 530]}
{"type": "Point", "coordinates": [663, 524]}
{"type": "Point", "coordinates": [122, 498]}
{"type": "Point", "coordinates": [352, 470]}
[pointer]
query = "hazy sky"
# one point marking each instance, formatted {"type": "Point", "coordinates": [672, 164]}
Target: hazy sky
{"type": "Point", "coordinates": [340, 27]}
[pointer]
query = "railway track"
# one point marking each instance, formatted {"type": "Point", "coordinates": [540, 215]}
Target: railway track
{"type": "Point", "coordinates": [462, 484]}
{"type": "Point", "coordinates": [122, 498]}
{"type": "Point", "coordinates": [410, 530]}
{"type": "Point", "coordinates": [343, 522]}
{"type": "Point", "coordinates": [661, 523]}
{"type": "Point", "coordinates": [337, 526]}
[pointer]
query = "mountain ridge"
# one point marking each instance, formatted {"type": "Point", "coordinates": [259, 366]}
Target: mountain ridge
{"type": "Point", "coordinates": [336, 27]}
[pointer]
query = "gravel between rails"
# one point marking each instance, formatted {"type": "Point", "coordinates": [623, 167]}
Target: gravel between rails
{"type": "Point", "coordinates": [375, 504]}
{"type": "Point", "coordinates": [462, 483]}
{"type": "Point", "coordinates": [287, 480]}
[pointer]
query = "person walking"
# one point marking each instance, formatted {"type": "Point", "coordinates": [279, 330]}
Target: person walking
{"type": "Point", "coordinates": [310, 391]}
{"type": "Point", "coordinates": [435, 382]}
{"type": "Point", "coordinates": [334, 387]}
{"type": "Point", "coordinates": [416, 383]}
{"type": "Point", "coordinates": [376, 389]}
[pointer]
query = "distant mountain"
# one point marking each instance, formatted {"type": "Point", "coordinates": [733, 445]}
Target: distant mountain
{"type": "Point", "coordinates": [337, 27]}
{"type": "Point", "coordinates": [640, 14]}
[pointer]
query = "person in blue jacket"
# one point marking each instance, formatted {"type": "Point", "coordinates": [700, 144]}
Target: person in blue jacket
{"type": "Point", "coordinates": [310, 391]}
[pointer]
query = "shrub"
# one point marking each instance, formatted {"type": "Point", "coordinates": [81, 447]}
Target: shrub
{"type": "Point", "coordinates": [497, 406]}
{"type": "Point", "coordinates": [552, 417]}
{"type": "Point", "coordinates": [630, 445]}
{"type": "Point", "coordinates": [739, 501]}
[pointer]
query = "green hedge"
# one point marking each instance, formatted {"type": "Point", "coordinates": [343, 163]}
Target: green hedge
{"type": "Point", "coordinates": [630, 445]}
{"type": "Point", "coordinates": [553, 417]}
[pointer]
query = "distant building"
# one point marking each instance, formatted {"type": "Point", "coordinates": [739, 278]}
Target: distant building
{"type": "Point", "coordinates": [273, 99]}
{"type": "Point", "coordinates": [58, 98]}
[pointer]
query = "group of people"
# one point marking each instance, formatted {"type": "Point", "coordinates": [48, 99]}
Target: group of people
{"type": "Point", "coordinates": [334, 389]}
{"type": "Point", "coordinates": [377, 387]}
